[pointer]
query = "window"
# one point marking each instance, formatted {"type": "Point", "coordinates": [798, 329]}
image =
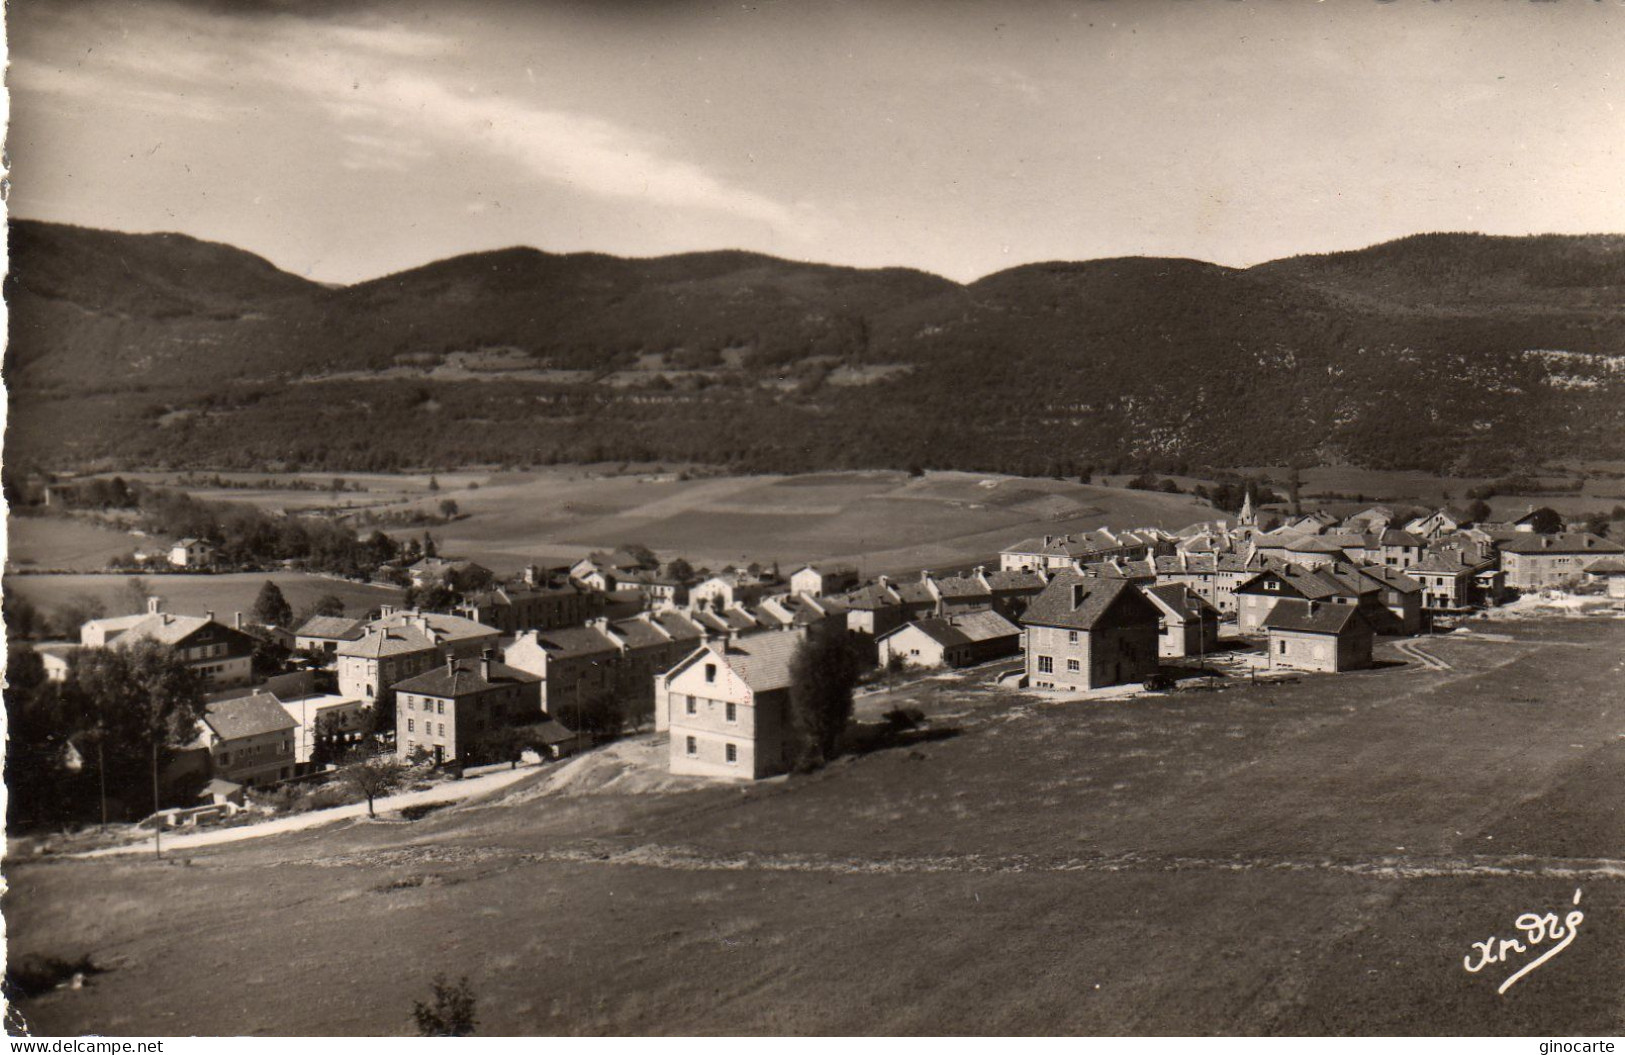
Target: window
{"type": "Point", "coordinates": [442, 728]}
{"type": "Point", "coordinates": [1271, 584]}
{"type": "Point", "coordinates": [225, 758]}
{"type": "Point", "coordinates": [411, 703]}
{"type": "Point", "coordinates": [710, 672]}
{"type": "Point", "coordinates": [732, 752]}
{"type": "Point", "coordinates": [411, 726]}
{"type": "Point", "coordinates": [440, 707]}
{"type": "Point", "coordinates": [693, 708]}
{"type": "Point", "coordinates": [733, 713]}
{"type": "Point", "coordinates": [1073, 665]}
{"type": "Point", "coordinates": [1283, 648]}
{"type": "Point", "coordinates": [693, 746]}
{"type": "Point", "coordinates": [1071, 637]}
{"type": "Point", "coordinates": [1046, 664]}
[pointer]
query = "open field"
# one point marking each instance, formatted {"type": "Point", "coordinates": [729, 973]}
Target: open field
{"type": "Point", "coordinates": [1311, 857]}
{"type": "Point", "coordinates": [1600, 492]}
{"type": "Point", "coordinates": [51, 542]}
{"type": "Point", "coordinates": [195, 594]}
{"type": "Point", "coordinates": [887, 521]}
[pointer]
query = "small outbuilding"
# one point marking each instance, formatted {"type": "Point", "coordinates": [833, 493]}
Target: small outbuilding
{"type": "Point", "coordinates": [1318, 636]}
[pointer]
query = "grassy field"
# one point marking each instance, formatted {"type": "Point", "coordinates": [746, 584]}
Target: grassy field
{"type": "Point", "coordinates": [1311, 857]}
{"type": "Point", "coordinates": [62, 543]}
{"type": "Point", "coordinates": [195, 594]}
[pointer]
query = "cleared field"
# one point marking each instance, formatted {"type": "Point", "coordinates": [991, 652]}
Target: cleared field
{"type": "Point", "coordinates": [1314, 857]}
{"type": "Point", "coordinates": [63, 543]}
{"type": "Point", "coordinates": [195, 594]}
{"type": "Point", "coordinates": [884, 521]}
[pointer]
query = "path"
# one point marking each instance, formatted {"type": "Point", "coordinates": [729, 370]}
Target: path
{"type": "Point", "coordinates": [450, 791]}
{"type": "Point", "coordinates": [1414, 652]}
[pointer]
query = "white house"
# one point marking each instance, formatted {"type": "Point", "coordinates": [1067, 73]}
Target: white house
{"type": "Point", "coordinates": [191, 553]}
{"type": "Point", "coordinates": [727, 706]}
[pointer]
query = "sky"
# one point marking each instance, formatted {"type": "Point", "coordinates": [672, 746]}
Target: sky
{"type": "Point", "coordinates": [347, 140]}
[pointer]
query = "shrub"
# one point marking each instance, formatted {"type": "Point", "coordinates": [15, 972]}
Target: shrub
{"type": "Point", "coordinates": [451, 1014]}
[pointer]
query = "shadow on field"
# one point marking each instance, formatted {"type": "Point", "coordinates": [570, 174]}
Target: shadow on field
{"type": "Point", "coordinates": [864, 738]}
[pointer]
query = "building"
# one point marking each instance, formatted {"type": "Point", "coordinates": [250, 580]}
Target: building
{"type": "Point", "coordinates": [584, 669]}
{"type": "Point", "coordinates": [1214, 576]}
{"type": "Point", "coordinates": [460, 574]}
{"type": "Point", "coordinates": [1536, 562]}
{"type": "Point", "coordinates": [370, 665]}
{"type": "Point", "coordinates": [1085, 632]}
{"type": "Point", "coordinates": [1061, 552]}
{"type": "Point", "coordinates": [728, 590]}
{"type": "Point", "coordinates": [1400, 549]}
{"type": "Point", "coordinates": [1012, 591]}
{"type": "Point", "coordinates": [960, 593]}
{"type": "Point", "coordinates": [1440, 522]}
{"type": "Point", "coordinates": [223, 655]}
{"type": "Point", "coordinates": [822, 580]}
{"type": "Point", "coordinates": [961, 640]}
{"type": "Point", "coordinates": [1189, 625]}
{"type": "Point", "coordinates": [325, 633]}
{"type": "Point", "coordinates": [448, 712]}
{"type": "Point", "coordinates": [1399, 593]}
{"type": "Point", "coordinates": [727, 706]}
{"type": "Point", "coordinates": [1335, 584]}
{"type": "Point", "coordinates": [1611, 572]}
{"type": "Point", "coordinates": [338, 720]}
{"type": "Point", "coordinates": [511, 608]}
{"type": "Point", "coordinates": [1317, 636]}
{"type": "Point", "coordinates": [454, 633]}
{"type": "Point", "coordinates": [191, 553]}
{"type": "Point", "coordinates": [55, 658]}
{"type": "Point", "coordinates": [1449, 579]}
{"type": "Point", "coordinates": [249, 740]}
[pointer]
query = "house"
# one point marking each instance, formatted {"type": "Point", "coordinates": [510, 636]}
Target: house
{"type": "Point", "coordinates": [338, 720]}
{"type": "Point", "coordinates": [1214, 576]}
{"type": "Point", "coordinates": [454, 633]}
{"type": "Point", "coordinates": [873, 610]}
{"type": "Point", "coordinates": [1085, 632]}
{"type": "Point", "coordinates": [1060, 552]}
{"type": "Point", "coordinates": [960, 593]}
{"type": "Point", "coordinates": [1012, 591]}
{"type": "Point", "coordinates": [448, 712]}
{"type": "Point", "coordinates": [557, 741]}
{"type": "Point", "coordinates": [961, 640]}
{"type": "Point", "coordinates": [1317, 636]}
{"type": "Point", "coordinates": [576, 666]}
{"type": "Point", "coordinates": [729, 589]}
{"type": "Point", "coordinates": [512, 608]}
{"type": "Point", "coordinates": [191, 553]}
{"type": "Point", "coordinates": [1537, 562]}
{"type": "Point", "coordinates": [1189, 625]}
{"type": "Point", "coordinates": [1611, 572]}
{"type": "Point", "coordinates": [1335, 584]}
{"type": "Point", "coordinates": [325, 633]}
{"type": "Point", "coordinates": [1373, 520]}
{"type": "Point", "coordinates": [727, 706]}
{"type": "Point", "coordinates": [459, 574]}
{"type": "Point", "coordinates": [821, 580]}
{"type": "Point", "coordinates": [1399, 594]}
{"type": "Point", "coordinates": [223, 655]}
{"type": "Point", "coordinates": [249, 740]}
{"type": "Point", "coordinates": [369, 666]}
{"type": "Point", "coordinates": [1401, 549]}
{"type": "Point", "coordinates": [1450, 579]}
{"type": "Point", "coordinates": [55, 657]}
{"type": "Point", "coordinates": [1445, 521]}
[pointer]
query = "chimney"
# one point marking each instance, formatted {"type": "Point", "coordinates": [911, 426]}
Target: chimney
{"type": "Point", "coordinates": [237, 620]}
{"type": "Point", "coordinates": [209, 616]}
{"type": "Point", "coordinates": [1314, 606]}
{"type": "Point", "coordinates": [1049, 540]}
{"type": "Point", "coordinates": [451, 663]}
{"type": "Point", "coordinates": [385, 611]}
{"type": "Point", "coordinates": [485, 664]}
{"type": "Point", "coordinates": [154, 605]}
{"type": "Point", "coordinates": [1079, 592]}
{"type": "Point", "coordinates": [925, 575]}
{"type": "Point", "coordinates": [167, 618]}
{"type": "Point", "coordinates": [884, 581]}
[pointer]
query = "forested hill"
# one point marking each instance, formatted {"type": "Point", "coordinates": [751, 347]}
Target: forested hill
{"type": "Point", "coordinates": [1439, 351]}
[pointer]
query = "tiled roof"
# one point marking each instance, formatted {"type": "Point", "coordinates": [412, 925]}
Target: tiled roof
{"type": "Point", "coordinates": [638, 634]}
{"type": "Point", "coordinates": [960, 586]}
{"type": "Point", "coordinates": [1447, 561]}
{"type": "Point", "coordinates": [169, 629]}
{"type": "Point", "coordinates": [1292, 614]}
{"type": "Point", "coordinates": [1392, 578]}
{"type": "Point", "coordinates": [1401, 538]}
{"type": "Point", "coordinates": [1570, 542]}
{"type": "Point", "coordinates": [761, 661]}
{"type": "Point", "coordinates": [395, 641]}
{"type": "Point", "coordinates": [247, 716]}
{"type": "Point", "coordinates": [1080, 602]}
{"type": "Point", "coordinates": [336, 627]}
{"type": "Point", "coordinates": [1015, 581]}
{"type": "Point", "coordinates": [1180, 598]}
{"type": "Point", "coordinates": [465, 679]}
{"type": "Point", "coordinates": [679, 626]}
{"type": "Point", "coordinates": [914, 593]}
{"type": "Point", "coordinates": [870, 597]}
{"type": "Point", "coordinates": [1607, 565]}
{"type": "Point", "coordinates": [449, 627]}
{"type": "Point", "coordinates": [575, 641]}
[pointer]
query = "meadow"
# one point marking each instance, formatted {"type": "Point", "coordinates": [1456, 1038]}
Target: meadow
{"type": "Point", "coordinates": [223, 595]}
{"type": "Point", "coordinates": [1298, 858]}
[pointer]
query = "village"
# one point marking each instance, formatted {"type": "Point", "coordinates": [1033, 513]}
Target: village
{"type": "Point", "coordinates": [481, 675]}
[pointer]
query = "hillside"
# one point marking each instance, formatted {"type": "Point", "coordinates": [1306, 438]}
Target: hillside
{"type": "Point", "coordinates": [1439, 352]}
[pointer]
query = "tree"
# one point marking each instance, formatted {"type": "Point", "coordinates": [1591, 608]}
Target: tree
{"type": "Point", "coordinates": [434, 484]}
{"type": "Point", "coordinates": [448, 508]}
{"type": "Point", "coordinates": [134, 594]}
{"type": "Point", "coordinates": [371, 771]}
{"type": "Point", "coordinates": [822, 673]}
{"type": "Point", "coordinates": [271, 608]}
{"type": "Point", "coordinates": [1294, 485]}
{"type": "Point", "coordinates": [451, 1014]}
{"type": "Point", "coordinates": [681, 570]}
{"type": "Point", "coordinates": [1478, 511]}
{"type": "Point", "coordinates": [1546, 521]}
{"type": "Point", "coordinates": [429, 547]}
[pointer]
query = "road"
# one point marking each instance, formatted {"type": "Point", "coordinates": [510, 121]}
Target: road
{"type": "Point", "coordinates": [450, 791]}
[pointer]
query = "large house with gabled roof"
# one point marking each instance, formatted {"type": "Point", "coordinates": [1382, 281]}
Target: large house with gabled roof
{"type": "Point", "coordinates": [1085, 632]}
{"type": "Point", "coordinates": [727, 706]}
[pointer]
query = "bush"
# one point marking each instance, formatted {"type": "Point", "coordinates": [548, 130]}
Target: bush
{"type": "Point", "coordinates": [451, 1014]}
{"type": "Point", "coordinates": [34, 974]}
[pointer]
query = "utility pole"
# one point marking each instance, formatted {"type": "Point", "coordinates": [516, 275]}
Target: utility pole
{"type": "Point", "coordinates": [158, 822]}
{"type": "Point", "coordinates": [101, 777]}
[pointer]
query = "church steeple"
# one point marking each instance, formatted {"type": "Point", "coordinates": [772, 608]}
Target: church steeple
{"type": "Point", "coordinates": [1247, 518]}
